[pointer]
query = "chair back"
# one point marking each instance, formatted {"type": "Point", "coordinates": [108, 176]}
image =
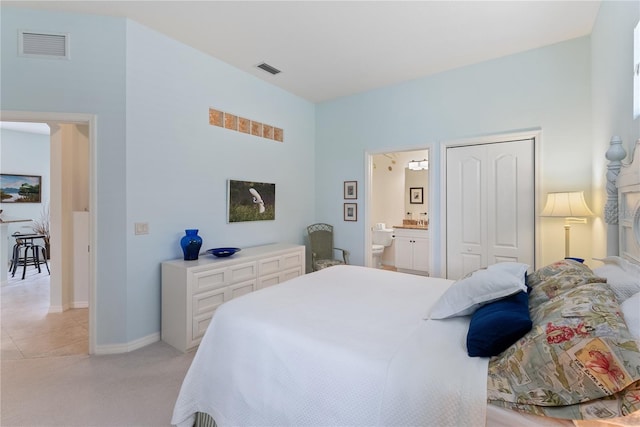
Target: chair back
{"type": "Point", "coordinates": [321, 240]}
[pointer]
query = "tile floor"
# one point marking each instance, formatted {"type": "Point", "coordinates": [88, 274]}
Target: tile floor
{"type": "Point", "coordinates": [29, 330]}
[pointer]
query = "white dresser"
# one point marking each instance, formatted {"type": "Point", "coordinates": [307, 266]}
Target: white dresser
{"type": "Point", "coordinates": [193, 290]}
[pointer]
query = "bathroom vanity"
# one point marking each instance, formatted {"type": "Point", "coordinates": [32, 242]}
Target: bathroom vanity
{"type": "Point", "coordinates": [412, 249]}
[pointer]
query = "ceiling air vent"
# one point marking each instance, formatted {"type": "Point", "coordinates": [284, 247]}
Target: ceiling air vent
{"type": "Point", "coordinates": [268, 68]}
{"type": "Point", "coordinates": [43, 45]}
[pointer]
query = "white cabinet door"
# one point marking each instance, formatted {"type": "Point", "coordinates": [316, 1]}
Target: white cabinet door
{"type": "Point", "coordinates": [490, 205]}
{"type": "Point", "coordinates": [404, 252]}
{"type": "Point", "coordinates": [421, 254]}
{"type": "Point", "coordinates": [412, 251]}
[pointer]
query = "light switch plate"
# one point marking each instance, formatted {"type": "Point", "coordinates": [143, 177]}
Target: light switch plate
{"type": "Point", "coordinates": [141, 228]}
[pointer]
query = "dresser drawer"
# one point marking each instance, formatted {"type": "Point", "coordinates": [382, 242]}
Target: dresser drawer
{"type": "Point", "coordinates": [239, 289]}
{"type": "Point", "coordinates": [291, 273]}
{"type": "Point", "coordinates": [208, 301]}
{"type": "Point", "coordinates": [242, 272]}
{"type": "Point", "coordinates": [295, 259]}
{"type": "Point", "coordinates": [209, 279]}
{"type": "Point", "coordinates": [200, 325]}
{"type": "Point", "coordinates": [280, 263]}
{"type": "Point", "coordinates": [270, 265]}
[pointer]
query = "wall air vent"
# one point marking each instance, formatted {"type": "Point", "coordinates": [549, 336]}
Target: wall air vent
{"type": "Point", "coordinates": [268, 68]}
{"type": "Point", "coordinates": [43, 44]}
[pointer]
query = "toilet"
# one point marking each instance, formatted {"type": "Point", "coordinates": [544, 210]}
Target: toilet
{"type": "Point", "coordinates": [382, 238]}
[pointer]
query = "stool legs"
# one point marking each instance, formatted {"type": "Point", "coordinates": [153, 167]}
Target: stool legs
{"type": "Point", "coordinates": [34, 256]}
{"type": "Point", "coordinates": [25, 259]}
{"type": "Point", "coordinates": [43, 251]}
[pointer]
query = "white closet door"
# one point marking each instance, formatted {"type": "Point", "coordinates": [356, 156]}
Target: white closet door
{"type": "Point", "coordinates": [466, 210]}
{"type": "Point", "coordinates": [490, 205]}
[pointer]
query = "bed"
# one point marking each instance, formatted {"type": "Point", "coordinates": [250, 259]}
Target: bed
{"type": "Point", "coordinates": [350, 345]}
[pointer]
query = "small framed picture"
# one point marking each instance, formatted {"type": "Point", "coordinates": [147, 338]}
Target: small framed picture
{"type": "Point", "coordinates": [351, 189]}
{"type": "Point", "coordinates": [416, 195]}
{"type": "Point", "coordinates": [350, 211]}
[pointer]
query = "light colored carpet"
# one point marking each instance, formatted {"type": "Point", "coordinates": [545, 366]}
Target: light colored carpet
{"type": "Point", "coordinates": [134, 389]}
{"type": "Point", "coordinates": [47, 377]}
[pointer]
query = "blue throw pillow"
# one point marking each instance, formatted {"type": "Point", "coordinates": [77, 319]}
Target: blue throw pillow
{"type": "Point", "coordinates": [497, 325]}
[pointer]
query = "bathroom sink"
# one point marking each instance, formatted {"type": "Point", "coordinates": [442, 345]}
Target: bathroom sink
{"type": "Point", "coordinates": [413, 227]}
{"type": "Point", "coordinates": [413, 224]}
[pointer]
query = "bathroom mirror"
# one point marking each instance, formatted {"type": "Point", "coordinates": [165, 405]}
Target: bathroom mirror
{"type": "Point", "coordinates": [416, 200]}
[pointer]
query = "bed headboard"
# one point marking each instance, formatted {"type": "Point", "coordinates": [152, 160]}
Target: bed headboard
{"type": "Point", "coordinates": [623, 198]}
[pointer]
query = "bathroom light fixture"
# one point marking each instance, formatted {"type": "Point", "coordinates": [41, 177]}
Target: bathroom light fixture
{"type": "Point", "coordinates": [572, 207]}
{"type": "Point", "coordinates": [418, 165]}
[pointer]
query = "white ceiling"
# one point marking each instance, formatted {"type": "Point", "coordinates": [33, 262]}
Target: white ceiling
{"type": "Point", "coordinates": [329, 49]}
{"type": "Point", "coordinates": [40, 128]}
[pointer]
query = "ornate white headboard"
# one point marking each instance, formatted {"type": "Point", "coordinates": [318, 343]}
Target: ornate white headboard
{"type": "Point", "coordinates": [623, 198]}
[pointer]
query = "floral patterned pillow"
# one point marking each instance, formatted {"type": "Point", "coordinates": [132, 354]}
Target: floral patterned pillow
{"type": "Point", "coordinates": [550, 281]}
{"type": "Point", "coordinates": [579, 361]}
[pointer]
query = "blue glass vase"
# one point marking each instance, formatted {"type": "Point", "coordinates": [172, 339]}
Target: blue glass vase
{"type": "Point", "coordinates": [191, 244]}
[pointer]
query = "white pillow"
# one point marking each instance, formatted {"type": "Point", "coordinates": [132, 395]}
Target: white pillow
{"type": "Point", "coordinates": [483, 286]}
{"type": "Point", "coordinates": [621, 275]}
{"type": "Point", "coordinates": [631, 312]}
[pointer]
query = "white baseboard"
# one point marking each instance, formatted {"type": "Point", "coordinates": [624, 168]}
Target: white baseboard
{"type": "Point", "coordinates": [80, 304]}
{"type": "Point", "coordinates": [127, 347]}
{"type": "Point", "coordinates": [58, 308]}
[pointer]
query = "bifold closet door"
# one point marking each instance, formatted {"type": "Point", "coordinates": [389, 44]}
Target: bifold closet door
{"type": "Point", "coordinates": [490, 205]}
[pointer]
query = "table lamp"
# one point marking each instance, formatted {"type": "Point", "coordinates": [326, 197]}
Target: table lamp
{"type": "Point", "coordinates": [572, 207]}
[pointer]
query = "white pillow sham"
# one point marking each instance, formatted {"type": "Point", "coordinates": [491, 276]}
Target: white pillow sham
{"type": "Point", "coordinates": [631, 312]}
{"type": "Point", "coordinates": [621, 275]}
{"type": "Point", "coordinates": [481, 287]}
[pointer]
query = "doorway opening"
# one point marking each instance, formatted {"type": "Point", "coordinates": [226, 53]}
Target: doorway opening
{"type": "Point", "coordinates": [68, 132]}
{"type": "Point", "coordinates": [397, 191]}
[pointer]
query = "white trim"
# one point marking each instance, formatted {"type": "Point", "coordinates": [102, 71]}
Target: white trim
{"type": "Point", "coordinates": [80, 304]}
{"type": "Point", "coordinates": [91, 120]}
{"type": "Point", "coordinates": [536, 135]}
{"type": "Point", "coordinates": [128, 347]}
{"type": "Point", "coordinates": [57, 308]}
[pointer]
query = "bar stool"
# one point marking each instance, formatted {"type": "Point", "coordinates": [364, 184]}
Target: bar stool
{"type": "Point", "coordinates": [26, 252]}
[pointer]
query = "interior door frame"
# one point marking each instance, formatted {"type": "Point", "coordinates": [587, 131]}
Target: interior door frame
{"type": "Point", "coordinates": [536, 135]}
{"type": "Point", "coordinates": [367, 192]}
{"type": "Point", "coordinates": [89, 120]}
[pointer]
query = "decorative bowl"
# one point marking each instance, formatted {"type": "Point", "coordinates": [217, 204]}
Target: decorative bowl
{"type": "Point", "coordinates": [223, 252]}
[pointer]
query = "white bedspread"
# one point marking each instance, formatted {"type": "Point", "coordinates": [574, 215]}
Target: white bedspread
{"type": "Point", "coordinates": [343, 346]}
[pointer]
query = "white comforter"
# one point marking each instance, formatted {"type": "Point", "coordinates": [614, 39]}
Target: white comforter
{"type": "Point", "coordinates": [343, 346]}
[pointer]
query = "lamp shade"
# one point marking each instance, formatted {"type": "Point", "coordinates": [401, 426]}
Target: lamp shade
{"type": "Point", "coordinates": [567, 204]}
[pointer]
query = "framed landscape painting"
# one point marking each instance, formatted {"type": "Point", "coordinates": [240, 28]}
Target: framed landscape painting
{"type": "Point", "coordinates": [250, 201]}
{"type": "Point", "coordinates": [20, 188]}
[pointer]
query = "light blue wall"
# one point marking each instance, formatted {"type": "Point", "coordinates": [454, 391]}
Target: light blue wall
{"type": "Point", "coordinates": [177, 164]}
{"type": "Point", "coordinates": [24, 153]}
{"type": "Point", "coordinates": [547, 88]}
{"type": "Point", "coordinates": [159, 161]}
{"type": "Point", "coordinates": [92, 81]}
{"type": "Point", "coordinates": [612, 69]}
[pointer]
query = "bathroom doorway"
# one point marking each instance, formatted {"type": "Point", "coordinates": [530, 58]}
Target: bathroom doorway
{"type": "Point", "coordinates": [397, 189]}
